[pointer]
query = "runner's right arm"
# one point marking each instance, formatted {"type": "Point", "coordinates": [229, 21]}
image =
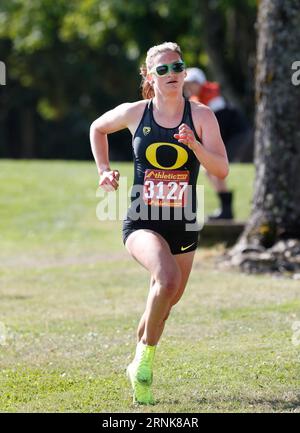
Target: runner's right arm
{"type": "Point", "coordinates": [121, 117]}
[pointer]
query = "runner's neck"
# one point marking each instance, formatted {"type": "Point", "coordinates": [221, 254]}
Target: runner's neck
{"type": "Point", "coordinates": [168, 108]}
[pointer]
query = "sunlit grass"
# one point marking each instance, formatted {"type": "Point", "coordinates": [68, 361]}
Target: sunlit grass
{"type": "Point", "coordinates": [71, 298]}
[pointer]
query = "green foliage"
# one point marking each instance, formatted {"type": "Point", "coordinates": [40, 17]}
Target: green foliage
{"type": "Point", "coordinates": [31, 25]}
{"type": "Point", "coordinates": [80, 58]}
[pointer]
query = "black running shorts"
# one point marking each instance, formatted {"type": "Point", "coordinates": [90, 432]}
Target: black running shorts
{"type": "Point", "coordinates": [179, 240]}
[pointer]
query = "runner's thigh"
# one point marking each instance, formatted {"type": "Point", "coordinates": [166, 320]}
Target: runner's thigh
{"type": "Point", "coordinates": [152, 251]}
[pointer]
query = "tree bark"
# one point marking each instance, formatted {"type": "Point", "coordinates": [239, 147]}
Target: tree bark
{"type": "Point", "coordinates": [271, 239]}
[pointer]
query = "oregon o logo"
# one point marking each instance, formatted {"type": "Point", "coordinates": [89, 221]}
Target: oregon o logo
{"type": "Point", "coordinates": [182, 155]}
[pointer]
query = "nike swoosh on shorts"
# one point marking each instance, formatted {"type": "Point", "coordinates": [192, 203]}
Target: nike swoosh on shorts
{"type": "Point", "coordinates": [185, 248]}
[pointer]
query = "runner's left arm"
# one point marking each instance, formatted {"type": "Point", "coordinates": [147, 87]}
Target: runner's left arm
{"type": "Point", "coordinates": [211, 152]}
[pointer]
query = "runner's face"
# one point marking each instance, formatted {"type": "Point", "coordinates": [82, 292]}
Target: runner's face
{"type": "Point", "coordinates": [172, 82]}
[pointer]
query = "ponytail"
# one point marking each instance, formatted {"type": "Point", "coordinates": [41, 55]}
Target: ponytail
{"type": "Point", "coordinates": [147, 90]}
{"type": "Point", "coordinates": [146, 86]}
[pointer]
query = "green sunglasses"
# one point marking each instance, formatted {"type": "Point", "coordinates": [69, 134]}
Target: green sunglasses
{"type": "Point", "coordinates": [165, 69]}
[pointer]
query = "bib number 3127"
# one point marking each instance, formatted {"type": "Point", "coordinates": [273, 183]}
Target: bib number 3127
{"type": "Point", "coordinates": [166, 187]}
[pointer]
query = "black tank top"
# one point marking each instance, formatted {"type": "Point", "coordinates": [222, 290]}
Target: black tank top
{"type": "Point", "coordinates": [155, 149]}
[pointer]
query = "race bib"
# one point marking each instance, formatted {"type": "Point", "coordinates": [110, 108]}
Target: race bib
{"type": "Point", "coordinates": [166, 187]}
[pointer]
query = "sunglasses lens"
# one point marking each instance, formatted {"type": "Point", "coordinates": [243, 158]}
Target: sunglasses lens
{"type": "Point", "coordinates": [162, 70]}
{"type": "Point", "coordinates": [178, 67]}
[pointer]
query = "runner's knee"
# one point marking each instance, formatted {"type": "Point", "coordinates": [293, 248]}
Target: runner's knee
{"type": "Point", "coordinates": [168, 281]}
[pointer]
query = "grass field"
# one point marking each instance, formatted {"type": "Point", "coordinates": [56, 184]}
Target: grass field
{"type": "Point", "coordinates": [71, 298]}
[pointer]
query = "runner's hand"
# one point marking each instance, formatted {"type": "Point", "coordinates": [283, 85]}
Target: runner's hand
{"type": "Point", "coordinates": [109, 180]}
{"type": "Point", "coordinates": [186, 136]}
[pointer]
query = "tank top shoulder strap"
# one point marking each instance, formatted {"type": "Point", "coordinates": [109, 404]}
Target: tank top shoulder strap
{"type": "Point", "coordinates": [188, 118]}
{"type": "Point", "coordinates": [188, 111]}
{"type": "Point", "coordinates": [144, 117]}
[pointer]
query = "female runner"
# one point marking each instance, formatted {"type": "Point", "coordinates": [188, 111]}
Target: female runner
{"type": "Point", "coordinates": [171, 138]}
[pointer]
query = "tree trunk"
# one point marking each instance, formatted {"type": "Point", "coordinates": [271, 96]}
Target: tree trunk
{"type": "Point", "coordinates": [28, 136]}
{"type": "Point", "coordinates": [271, 239]}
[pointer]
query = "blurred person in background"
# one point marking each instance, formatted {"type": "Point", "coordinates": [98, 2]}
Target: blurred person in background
{"type": "Point", "coordinates": [234, 128]}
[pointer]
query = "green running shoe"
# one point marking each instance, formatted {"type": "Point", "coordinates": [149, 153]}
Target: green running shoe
{"type": "Point", "coordinates": [142, 393]}
{"type": "Point", "coordinates": [140, 373]}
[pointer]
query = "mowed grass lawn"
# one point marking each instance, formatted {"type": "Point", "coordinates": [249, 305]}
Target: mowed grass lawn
{"type": "Point", "coordinates": [71, 298]}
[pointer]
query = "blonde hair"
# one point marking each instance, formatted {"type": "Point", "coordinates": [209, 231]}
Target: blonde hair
{"type": "Point", "coordinates": [147, 88]}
